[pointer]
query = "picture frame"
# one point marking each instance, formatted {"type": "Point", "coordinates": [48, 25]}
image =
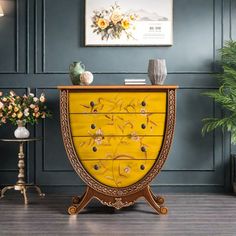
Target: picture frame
{"type": "Point", "coordinates": [128, 23]}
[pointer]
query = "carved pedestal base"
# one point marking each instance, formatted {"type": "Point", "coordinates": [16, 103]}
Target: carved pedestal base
{"type": "Point", "coordinates": [156, 202]}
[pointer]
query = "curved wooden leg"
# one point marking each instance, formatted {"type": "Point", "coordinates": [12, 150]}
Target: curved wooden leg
{"type": "Point", "coordinates": [151, 199]}
{"type": "Point", "coordinates": [83, 202]}
{"type": "Point", "coordinates": [76, 199]}
{"type": "Point", "coordinates": [158, 199]}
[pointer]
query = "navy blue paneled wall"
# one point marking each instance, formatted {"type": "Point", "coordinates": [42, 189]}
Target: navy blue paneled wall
{"type": "Point", "coordinates": [40, 38]}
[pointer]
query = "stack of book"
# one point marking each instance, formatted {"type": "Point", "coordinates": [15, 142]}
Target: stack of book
{"type": "Point", "coordinates": [135, 81]}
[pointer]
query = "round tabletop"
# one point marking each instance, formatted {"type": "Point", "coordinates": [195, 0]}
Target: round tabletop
{"type": "Point", "coordinates": [20, 140]}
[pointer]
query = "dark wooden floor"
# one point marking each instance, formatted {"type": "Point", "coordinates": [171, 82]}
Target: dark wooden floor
{"type": "Point", "coordinates": [189, 214]}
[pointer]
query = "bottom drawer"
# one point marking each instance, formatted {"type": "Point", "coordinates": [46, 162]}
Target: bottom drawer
{"type": "Point", "coordinates": [118, 173]}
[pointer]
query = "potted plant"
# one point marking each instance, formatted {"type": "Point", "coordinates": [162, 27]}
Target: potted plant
{"type": "Point", "coordinates": [225, 96]}
{"type": "Point", "coordinates": [20, 110]}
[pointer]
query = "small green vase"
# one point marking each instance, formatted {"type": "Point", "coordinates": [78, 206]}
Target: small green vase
{"type": "Point", "coordinates": [75, 70]}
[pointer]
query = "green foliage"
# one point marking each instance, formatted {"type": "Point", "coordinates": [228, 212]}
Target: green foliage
{"type": "Point", "coordinates": [225, 96]}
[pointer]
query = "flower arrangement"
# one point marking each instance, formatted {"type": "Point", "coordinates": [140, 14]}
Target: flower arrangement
{"type": "Point", "coordinates": [27, 108]}
{"type": "Point", "coordinates": [113, 23]}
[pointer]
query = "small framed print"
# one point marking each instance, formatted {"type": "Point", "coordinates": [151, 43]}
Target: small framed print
{"type": "Point", "coordinates": [128, 23]}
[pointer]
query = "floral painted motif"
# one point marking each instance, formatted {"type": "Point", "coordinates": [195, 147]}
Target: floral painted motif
{"type": "Point", "coordinates": [126, 150]}
{"type": "Point", "coordinates": [113, 23]}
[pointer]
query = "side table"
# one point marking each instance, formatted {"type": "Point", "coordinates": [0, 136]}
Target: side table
{"type": "Point", "coordinates": [21, 185]}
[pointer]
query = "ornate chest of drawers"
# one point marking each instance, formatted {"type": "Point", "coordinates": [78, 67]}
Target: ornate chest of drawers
{"type": "Point", "coordinates": [117, 139]}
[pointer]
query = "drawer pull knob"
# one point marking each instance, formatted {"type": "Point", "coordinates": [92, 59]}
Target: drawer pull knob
{"type": "Point", "coordinates": [96, 167]}
{"type": "Point", "coordinates": [142, 167]}
{"type": "Point", "coordinates": [92, 104]}
{"type": "Point", "coordinates": [143, 104]}
{"type": "Point", "coordinates": [143, 149]}
{"type": "Point", "coordinates": [127, 169]}
{"type": "Point", "coordinates": [95, 149]}
{"type": "Point", "coordinates": [93, 126]}
{"type": "Point", "coordinates": [143, 126]}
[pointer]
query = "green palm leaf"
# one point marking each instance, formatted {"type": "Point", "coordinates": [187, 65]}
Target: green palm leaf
{"type": "Point", "coordinates": [225, 96]}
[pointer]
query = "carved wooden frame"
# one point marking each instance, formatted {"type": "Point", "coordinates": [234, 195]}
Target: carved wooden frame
{"type": "Point", "coordinates": [93, 183]}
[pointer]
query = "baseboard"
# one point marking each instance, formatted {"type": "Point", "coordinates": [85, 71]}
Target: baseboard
{"type": "Point", "coordinates": [233, 172]}
{"type": "Point", "coordinates": [78, 190]}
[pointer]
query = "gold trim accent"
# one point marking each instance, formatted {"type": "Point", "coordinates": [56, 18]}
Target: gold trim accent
{"type": "Point", "coordinates": [118, 204]}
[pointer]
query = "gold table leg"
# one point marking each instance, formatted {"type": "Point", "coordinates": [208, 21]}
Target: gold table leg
{"type": "Point", "coordinates": [20, 184]}
{"type": "Point", "coordinates": [5, 189]}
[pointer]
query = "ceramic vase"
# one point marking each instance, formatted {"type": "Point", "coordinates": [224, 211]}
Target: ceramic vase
{"type": "Point", "coordinates": [21, 132]}
{"type": "Point", "coordinates": [157, 71]}
{"type": "Point", "coordinates": [86, 78]}
{"type": "Point", "coordinates": [75, 70]}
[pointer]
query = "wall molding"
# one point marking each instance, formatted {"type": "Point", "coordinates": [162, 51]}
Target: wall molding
{"type": "Point", "coordinates": [43, 49]}
{"type": "Point", "coordinates": [17, 36]}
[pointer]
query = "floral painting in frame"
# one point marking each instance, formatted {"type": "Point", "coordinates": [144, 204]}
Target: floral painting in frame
{"type": "Point", "coordinates": [128, 22]}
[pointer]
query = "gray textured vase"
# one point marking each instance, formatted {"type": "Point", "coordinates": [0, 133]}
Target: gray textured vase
{"type": "Point", "coordinates": [157, 71]}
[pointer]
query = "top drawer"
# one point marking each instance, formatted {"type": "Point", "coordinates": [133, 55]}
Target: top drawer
{"type": "Point", "coordinates": [120, 102]}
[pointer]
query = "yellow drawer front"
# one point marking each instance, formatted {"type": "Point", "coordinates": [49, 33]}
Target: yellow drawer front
{"type": "Point", "coordinates": [109, 102]}
{"type": "Point", "coordinates": [117, 124]}
{"type": "Point", "coordinates": [116, 148]}
{"type": "Point", "coordinates": [118, 173]}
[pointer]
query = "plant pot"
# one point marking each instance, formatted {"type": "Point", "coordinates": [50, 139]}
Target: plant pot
{"type": "Point", "coordinates": [21, 132]}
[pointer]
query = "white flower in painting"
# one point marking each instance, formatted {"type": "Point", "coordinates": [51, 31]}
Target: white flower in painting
{"type": "Point", "coordinates": [116, 16]}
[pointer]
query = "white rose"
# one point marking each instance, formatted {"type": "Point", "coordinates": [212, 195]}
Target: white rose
{"type": "Point", "coordinates": [116, 16]}
{"type": "Point", "coordinates": [12, 93]}
{"type": "Point", "coordinates": [35, 99]}
{"type": "Point", "coordinates": [42, 98]}
{"type": "Point", "coordinates": [26, 112]}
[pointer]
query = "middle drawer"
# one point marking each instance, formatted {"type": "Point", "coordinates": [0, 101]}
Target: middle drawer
{"type": "Point", "coordinates": [118, 147]}
{"type": "Point", "coordinates": [117, 124]}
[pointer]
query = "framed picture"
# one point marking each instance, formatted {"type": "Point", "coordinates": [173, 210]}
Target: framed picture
{"type": "Point", "coordinates": [128, 22]}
